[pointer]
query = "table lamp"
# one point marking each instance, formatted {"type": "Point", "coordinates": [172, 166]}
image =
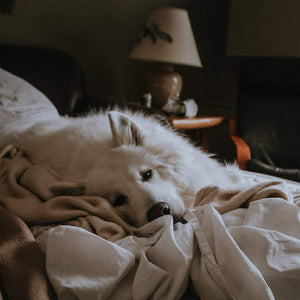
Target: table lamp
{"type": "Point", "coordinates": [166, 39]}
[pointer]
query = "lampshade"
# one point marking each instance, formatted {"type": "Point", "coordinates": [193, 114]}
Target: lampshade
{"type": "Point", "coordinates": [168, 38]}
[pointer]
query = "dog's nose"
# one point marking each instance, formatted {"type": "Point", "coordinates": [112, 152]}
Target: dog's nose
{"type": "Point", "coordinates": [158, 210]}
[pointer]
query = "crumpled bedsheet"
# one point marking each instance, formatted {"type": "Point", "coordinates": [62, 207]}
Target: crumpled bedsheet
{"type": "Point", "coordinates": [248, 252]}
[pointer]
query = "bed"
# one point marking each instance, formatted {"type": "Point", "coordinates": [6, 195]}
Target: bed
{"type": "Point", "coordinates": [241, 242]}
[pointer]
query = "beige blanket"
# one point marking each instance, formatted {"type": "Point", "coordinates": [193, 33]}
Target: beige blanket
{"type": "Point", "coordinates": [241, 194]}
{"type": "Point", "coordinates": [28, 197]}
{"type": "Point", "coordinates": [22, 267]}
{"type": "Point", "coordinates": [30, 192]}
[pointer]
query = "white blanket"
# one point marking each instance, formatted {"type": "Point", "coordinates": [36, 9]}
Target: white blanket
{"type": "Point", "coordinates": [21, 105]}
{"type": "Point", "coordinates": [246, 253]}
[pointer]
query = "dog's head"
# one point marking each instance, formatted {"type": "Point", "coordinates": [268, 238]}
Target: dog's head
{"type": "Point", "coordinates": [134, 177]}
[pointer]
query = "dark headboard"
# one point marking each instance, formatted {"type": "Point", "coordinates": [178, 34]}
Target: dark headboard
{"type": "Point", "coordinates": [56, 74]}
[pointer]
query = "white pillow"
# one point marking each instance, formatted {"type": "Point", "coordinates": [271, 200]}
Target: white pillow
{"type": "Point", "coordinates": [21, 105]}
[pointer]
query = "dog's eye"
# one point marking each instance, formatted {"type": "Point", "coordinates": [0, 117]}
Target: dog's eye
{"type": "Point", "coordinates": [120, 200]}
{"type": "Point", "coordinates": [147, 175]}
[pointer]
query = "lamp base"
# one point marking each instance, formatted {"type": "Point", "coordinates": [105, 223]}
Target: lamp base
{"type": "Point", "coordinates": [164, 84]}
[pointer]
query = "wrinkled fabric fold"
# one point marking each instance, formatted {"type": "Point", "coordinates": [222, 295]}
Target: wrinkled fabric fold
{"type": "Point", "coordinates": [245, 253]}
{"type": "Point", "coordinates": [153, 265]}
{"type": "Point", "coordinates": [22, 266]}
{"type": "Point", "coordinates": [27, 192]}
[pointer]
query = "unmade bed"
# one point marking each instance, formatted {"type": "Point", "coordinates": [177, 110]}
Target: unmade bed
{"type": "Point", "coordinates": [242, 242]}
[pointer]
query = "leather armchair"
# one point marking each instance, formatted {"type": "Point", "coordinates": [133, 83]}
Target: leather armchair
{"type": "Point", "coordinates": [266, 131]}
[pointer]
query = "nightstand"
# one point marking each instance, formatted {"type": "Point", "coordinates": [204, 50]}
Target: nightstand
{"type": "Point", "coordinates": [201, 122]}
{"type": "Point", "coordinates": [189, 125]}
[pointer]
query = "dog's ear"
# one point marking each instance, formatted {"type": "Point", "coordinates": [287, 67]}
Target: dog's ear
{"type": "Point", "coordinates": [124, 130]}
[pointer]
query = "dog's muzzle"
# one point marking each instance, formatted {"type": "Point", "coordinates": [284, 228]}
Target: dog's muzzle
{"type": "Point", "coordinates": [158, 210]}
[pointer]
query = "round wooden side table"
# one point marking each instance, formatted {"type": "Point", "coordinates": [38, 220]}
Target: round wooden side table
{"type": "Point", "coordinates": [199, 122]}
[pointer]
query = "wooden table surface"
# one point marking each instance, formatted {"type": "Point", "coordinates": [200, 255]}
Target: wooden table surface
{"type": "Point", "coordinates": [199, 122]}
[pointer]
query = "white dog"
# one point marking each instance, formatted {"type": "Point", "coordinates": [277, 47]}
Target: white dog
{"type": "Point", "coordinates": [143, 168]}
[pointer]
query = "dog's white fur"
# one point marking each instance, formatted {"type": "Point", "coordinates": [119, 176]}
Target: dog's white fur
{"type": "Point", "coordinates": [106, 154]}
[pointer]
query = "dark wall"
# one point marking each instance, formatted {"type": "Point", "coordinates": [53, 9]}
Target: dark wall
{"type": "Point", "coordinates": [268, 28]}
{"type": "Point", "coordinates": [217, 81]}
{"type": "Point", "coordinates": [100, 34]}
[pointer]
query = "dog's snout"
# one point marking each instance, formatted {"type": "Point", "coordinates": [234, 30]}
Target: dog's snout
{"type": "Point", "coordinates": [158, 210]}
